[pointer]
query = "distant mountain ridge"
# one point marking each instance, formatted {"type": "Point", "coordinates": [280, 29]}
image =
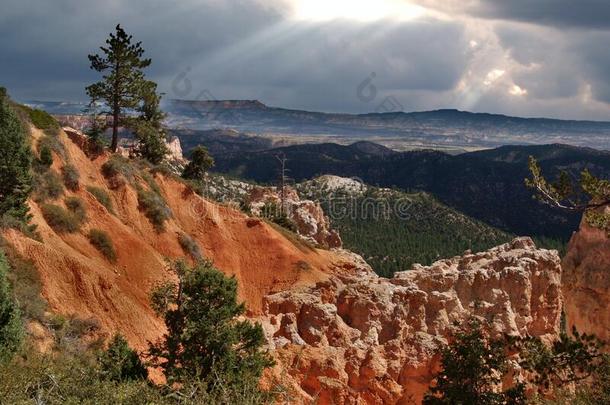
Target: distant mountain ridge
{"type": "Point", "coordinates": [447, 129]}
{"type": "Point", "coordinates": [438, 128]}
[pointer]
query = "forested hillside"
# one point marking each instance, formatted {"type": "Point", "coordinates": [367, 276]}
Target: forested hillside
{"type": "Point", "coordinates": [393, 230]}
{"type": "Point", "coordinates": [487, 185]}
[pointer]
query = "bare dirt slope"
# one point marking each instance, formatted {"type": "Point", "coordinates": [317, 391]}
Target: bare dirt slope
{"type": "Point", "coordinates": [77, 279]}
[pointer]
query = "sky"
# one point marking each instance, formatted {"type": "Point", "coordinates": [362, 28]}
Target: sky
{"type": "Point", "coordinates": [528, 58]}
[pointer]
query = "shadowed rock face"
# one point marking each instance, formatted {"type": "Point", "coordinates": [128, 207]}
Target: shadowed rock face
{"type": "Point", "coordinates": [586, 282]}
{"type": "Point", "coordinates": [360, 338]}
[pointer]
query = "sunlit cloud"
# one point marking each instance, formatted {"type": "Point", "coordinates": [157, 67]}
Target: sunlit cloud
{"type": "Point", "coordinates": [358, 10]}
{"type": "Point", "coordinates": [493, 76]}
{"type": "Point", "coordinates": [517, 91]}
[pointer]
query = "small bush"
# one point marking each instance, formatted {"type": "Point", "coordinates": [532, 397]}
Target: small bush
{"type": "Point", "coordinates": [102, 242]}
{"type": "Point", "coordinates": [117, 170]}
{"type": "Point", "coordinates": [71, 177]}
{"type": "Point", "coordinates": [151, 182]}
{"type": "Point", "coordinates": [51, 143]}
{"type": "Point", "coordinates": [121, 363]}
{"type": "Point", "coordinates": [60, 219]}
{"type": "Point", "coordinates": [190, 247]}
{"type": "Point", "coordinates": [118, 165]}
{"type": "Point", "coordinates": [77, 207]}
{"type": "Point", "coordinates": [46, 157]}
{"type": "Point", "coordinates": [102, 197]}
{"type": "Point", "coordinates": [47, 186]}
{"type": "Point", "coordinates": [154, 208]}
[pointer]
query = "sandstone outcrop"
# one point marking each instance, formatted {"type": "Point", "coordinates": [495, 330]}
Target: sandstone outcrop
{"type": "Point", "coordinates": [307, 215]}
{"type": "Point", "coordinates": [586, 281]}
{"type": "Point", "coordinates": [359, 338]}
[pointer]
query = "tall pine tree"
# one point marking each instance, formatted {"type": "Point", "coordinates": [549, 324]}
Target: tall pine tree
{"type": "Point", "coordinates": [123, 84]}
{"type": "Point", "coordinates": [15, 161]}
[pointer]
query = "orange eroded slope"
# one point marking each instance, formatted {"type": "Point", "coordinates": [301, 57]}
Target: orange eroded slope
{"type": "Point", "coordinates": [78, 280]}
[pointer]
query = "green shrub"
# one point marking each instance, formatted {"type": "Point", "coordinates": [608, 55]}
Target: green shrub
{"type": "Point", "coordinates": [46, 157]}
{"type": "Point", "coordinates": [118, 165]}
{"type": "Point", "coordinates": [77, 207]}
{"type": "Point", "coordinates": [200, 163]}
{"type": "Point", "coordinates": [205, 338]}
{"type": "Point", "coordinates": [121, 363]}
{"type": "Point", "coordinates": [69, 379]}
{"type": "Point", "coordinates": [47, 186]}
{"type": "Point", "coordinates": [11, 328]}
{"type": "Point", "coordinates": [102, 197]}
{"type": "Point", "coordinates": [118, 170]}
{"type": "Point", "coordinates": [155, 208]}
{"type": "Point", "coordinates": [151, 182]}
{"type": "Point", "coordinates": [151, 142]}
{"type": "Point", "coordinates": [79, 379]}
{"type": "Point", "coordinates": [472, 368]}
{"type": "Point", "coordinates": [51, 143]}
{"type": "Point", "coordinates": [71, 177]}
{"type": "Point", "coordinates": [190, 247]}
{"type": "Point", "coordinates": [61, 220]}
{"type": "Point", "coordinates": [101, 240]}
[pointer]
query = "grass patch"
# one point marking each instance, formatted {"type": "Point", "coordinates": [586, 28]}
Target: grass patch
{"type": "Point", "coordinates": [151, 182]}
{"type": "Point", "coordinates": [60, 219]}
{"type": "Point", "coordinates": [154, 207]}
{"type": "Point", "coordinates": [71, 177]}
{"type": "Point", "coordinates": [77, 207]}
{"type": "Point", "coordinates": [102, 197]}
{"type": "Point", "coordinates": [190, 247]}
{"type": "Point", "coordinates": [102, 242]}
{"type": "Point", "coordinates": [40, 119]}
{"type": "Point", "coordinates": [47, 186]}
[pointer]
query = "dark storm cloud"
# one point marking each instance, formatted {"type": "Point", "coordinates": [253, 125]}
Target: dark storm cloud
{"type": "Point", "coordinates": [558, 13]}
{"type": "Point", "coordinates": [587, 14]}
{"type": "Point", "coordinates": [247, 49]}
{"type": "Point", "coordinates": [595, 63]}
{"type": "Point", "coordinates": [321, 66]}
{"type": "Point", "coordinates": [47, 42]}
{"type": "Point", "coordinates": [299, 64]}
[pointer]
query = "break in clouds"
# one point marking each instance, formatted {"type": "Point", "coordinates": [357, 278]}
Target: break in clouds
{"type": "Point", "coordinates": [541, 58]}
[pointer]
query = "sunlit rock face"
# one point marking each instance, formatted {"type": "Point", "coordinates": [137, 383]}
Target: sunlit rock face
{"type": "Point", "coordinates": [359, 338]}
{"type": "Point", "coordinates": [307, 215]}
{"type": "Point", "coordinates": [586, 282]}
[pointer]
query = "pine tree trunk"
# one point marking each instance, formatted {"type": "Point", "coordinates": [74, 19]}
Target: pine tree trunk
{"type": "Point", "coordinates": [115, 130]}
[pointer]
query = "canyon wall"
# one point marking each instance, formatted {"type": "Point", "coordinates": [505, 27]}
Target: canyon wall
{"type": "Point", "coordinates": [340, 334]}
{"type": "Point", "coordinates": [360, 338]}
{"type": "Point", "coordinates": [586, 281]}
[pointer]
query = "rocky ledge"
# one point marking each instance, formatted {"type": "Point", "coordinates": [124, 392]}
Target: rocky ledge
{"type": "Point", "coordinates": [359, 338]}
